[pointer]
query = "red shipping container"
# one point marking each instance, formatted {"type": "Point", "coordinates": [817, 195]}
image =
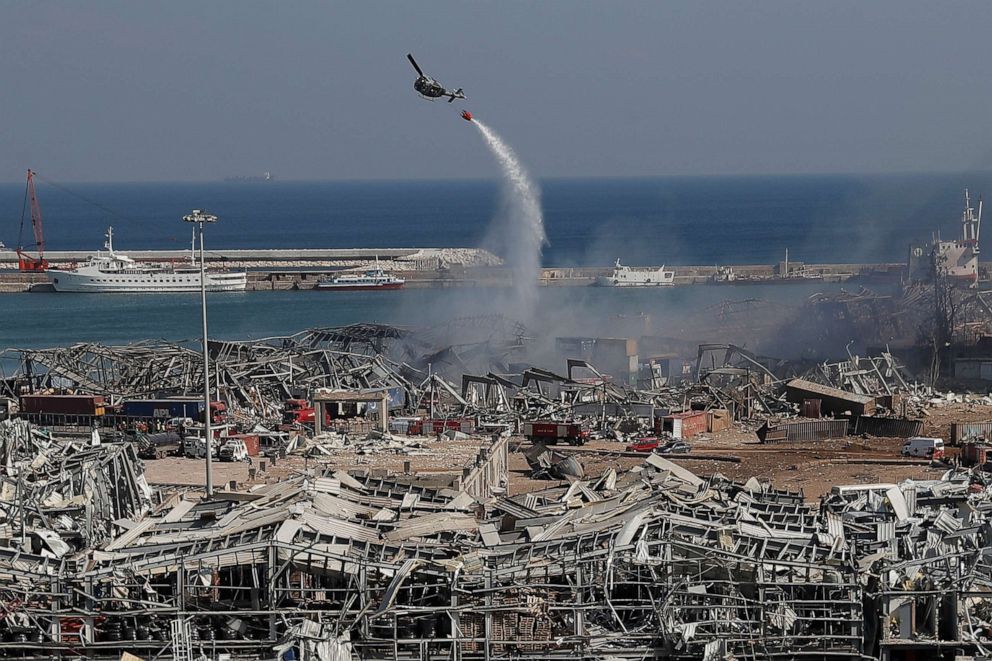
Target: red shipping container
{"type": "Point", "coordinates": [253, 444]}
{"type": "Point", "coordinates": [434, 427]}
{"type": "Point", "coordinates": [63, 404]}
{"type": "Point", "coordinates": [683, 425]}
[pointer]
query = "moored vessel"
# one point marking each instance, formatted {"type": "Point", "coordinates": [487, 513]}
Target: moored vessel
{"type": "Point", "coordinates": [372, 279]}
{"type": "Point", "coordinates": [113, 272]}
{"type": "Point", "coordinates": [633, 276]}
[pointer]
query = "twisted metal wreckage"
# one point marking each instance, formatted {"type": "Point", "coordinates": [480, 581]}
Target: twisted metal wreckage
{"type": "Point", "coordinates": [256, 377]}
{"type": "Point", "coordinates": [656, 562]}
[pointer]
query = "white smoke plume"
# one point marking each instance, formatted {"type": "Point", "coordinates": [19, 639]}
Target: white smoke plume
{"type": "Point", "coordinates": [518, 229]}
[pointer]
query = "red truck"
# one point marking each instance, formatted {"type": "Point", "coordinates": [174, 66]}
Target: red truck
{"type": "Point", "coordinates": [301, 412]}
{"type": "Point", "coordinates": [550, 432]}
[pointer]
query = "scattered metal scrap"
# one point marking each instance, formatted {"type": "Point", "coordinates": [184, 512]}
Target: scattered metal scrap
{"type": "Point", "coordinates": [652, 562]}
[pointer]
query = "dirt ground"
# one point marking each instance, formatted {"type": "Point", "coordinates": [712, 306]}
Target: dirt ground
{"type": "Point", "coordinates": [432, 458]}
{"type": "Point", "coordinates": [812, 467]}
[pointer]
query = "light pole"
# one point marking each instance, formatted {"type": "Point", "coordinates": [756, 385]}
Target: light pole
{"type": "Point", "coordinates": [200, 218]}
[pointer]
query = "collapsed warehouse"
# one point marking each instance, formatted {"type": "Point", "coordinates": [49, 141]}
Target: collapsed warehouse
{"type": "Point", "coordinates": [656, 562]}
{"type": "Point", "coordinates": [351, 563]}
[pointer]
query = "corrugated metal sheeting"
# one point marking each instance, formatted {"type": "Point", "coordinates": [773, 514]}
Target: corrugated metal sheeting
{"type": "Point", "coordinates": [963, 430]}
{"type": "Point", "coordinates": [894, 427]}
{"type": "Point", "coordinates": [803, 430]}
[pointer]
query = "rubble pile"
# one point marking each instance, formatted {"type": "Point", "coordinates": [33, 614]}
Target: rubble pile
{"type": "Point", "coordinates": [654, 561]}
{"type": "Point", "coordinates": [58, 496]}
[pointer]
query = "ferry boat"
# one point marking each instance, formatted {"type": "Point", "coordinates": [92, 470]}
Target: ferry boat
{"type": "Point", "coordinates": [371, 279]}
{"type": "Point", "coordinates": [632, 276]}
{"type": "Point", "coordinates": [114, 272]}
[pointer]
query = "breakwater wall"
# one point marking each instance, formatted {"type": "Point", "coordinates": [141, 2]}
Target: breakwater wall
{"type": "Point", "coordinates": [446, 267]}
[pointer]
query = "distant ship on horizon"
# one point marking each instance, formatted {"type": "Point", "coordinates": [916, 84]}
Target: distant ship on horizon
{"type": "Point", "coordinates": [265, 176]}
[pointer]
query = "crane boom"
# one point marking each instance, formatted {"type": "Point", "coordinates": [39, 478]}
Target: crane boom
{"type": "Point", "coordinates": [39, 234]}
{"type": "Point", "coordinates": [25, 262]}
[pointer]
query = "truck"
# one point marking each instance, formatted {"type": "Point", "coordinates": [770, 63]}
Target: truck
{"type": "Point", "coordinates": [164, 409]}
{"type": "Point", "coordinates": [159, 446]}
{"type": "Point", "coordinates": [301, 412]}
{"type": "Point", "coordinates": [551, 432]}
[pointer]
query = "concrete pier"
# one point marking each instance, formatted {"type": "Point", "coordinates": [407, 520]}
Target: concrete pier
{"type": "Point", "coordinates": [301, 269]}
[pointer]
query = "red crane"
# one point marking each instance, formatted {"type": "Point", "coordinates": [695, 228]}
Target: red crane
{"type": "Point", "coordinates": [25, 262]}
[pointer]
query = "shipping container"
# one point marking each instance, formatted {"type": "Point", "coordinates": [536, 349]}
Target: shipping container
{"type": "Point", "coordinates": [553, 431]}
{"type": "Point", "coordinates": [961, 431]}
{"type": "Point", "coordinates": [683, 425]}
{"type": "Point", "coordinates": [171, 408]}
{"type": "Point", "coordinates": [433, 427]}
{"type": "Point", "coordinates": [91, 405]}
{"type": "Point", "coordinates": [974, 454]}
{"type": "Point", "coordinates": [251, 442]}
{"type": "Point", "coordinates": [163, 408]}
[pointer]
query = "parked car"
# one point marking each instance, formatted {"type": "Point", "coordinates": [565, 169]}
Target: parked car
{"type": "Point", "coordinates": [675, 447]}
{"type": "Point", "coordinates": [645, 444]}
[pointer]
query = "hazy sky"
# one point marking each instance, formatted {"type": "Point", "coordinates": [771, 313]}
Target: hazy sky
{"type": "Point", "coordinates": [121, 91]}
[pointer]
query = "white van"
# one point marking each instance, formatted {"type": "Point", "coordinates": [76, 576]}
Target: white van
{"type": "Point", "coordinates": [921, 446]}
{"type": "Point", "coordinates": [234, 449]}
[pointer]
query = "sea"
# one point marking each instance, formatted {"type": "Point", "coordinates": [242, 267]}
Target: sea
{"type": "Point", "coordinates": [589, 222]}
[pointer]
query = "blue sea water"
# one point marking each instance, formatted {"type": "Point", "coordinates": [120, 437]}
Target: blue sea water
{"type": "Point", "coordinates": [716, 220]}
{"type": "Point", "coordinates": [687, 220]}
{"type": "Point", "coordinates": [42, 320]}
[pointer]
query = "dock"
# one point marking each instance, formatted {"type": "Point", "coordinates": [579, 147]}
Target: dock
{"type": "Point", "coordinates": [302, 268]}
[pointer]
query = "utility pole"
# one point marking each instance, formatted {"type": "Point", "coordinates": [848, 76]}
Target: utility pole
{"type": "Point", "coordinates": [200, 218]}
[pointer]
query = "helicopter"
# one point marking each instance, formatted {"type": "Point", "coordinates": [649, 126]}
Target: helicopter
{"type": "Point", "coordinates": [429, 88]}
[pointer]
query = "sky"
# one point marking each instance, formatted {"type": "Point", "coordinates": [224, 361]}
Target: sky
{"type": "Point", "coordinates": [197, 91]}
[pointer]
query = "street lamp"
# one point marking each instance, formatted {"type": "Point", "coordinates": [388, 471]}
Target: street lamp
{"type": "Point", "coordinates": [201, 218]}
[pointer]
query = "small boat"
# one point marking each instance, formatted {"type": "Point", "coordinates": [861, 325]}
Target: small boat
{"type": "Point", "coordinates": [632, 276]}
{"type": "Point", "coordinates": [372, 279]}
{"type": "Point", "coordinates": [114, 272]}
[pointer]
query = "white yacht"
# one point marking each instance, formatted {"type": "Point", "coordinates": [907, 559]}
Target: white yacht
{"type": "Point", "coordinates": [634, 276]}
{"type": "Point", "coordinates": [110, 271]}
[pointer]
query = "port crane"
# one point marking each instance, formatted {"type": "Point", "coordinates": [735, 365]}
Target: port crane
{"type": "Point", "coordinates": [25, 262]}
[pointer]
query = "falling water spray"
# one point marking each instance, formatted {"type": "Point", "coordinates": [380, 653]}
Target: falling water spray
{"type": "Point", "coordinates": [518, 228]}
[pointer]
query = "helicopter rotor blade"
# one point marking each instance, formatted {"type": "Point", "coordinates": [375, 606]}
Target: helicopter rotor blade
{"type": "Point", "coordinates": [414, 63]}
